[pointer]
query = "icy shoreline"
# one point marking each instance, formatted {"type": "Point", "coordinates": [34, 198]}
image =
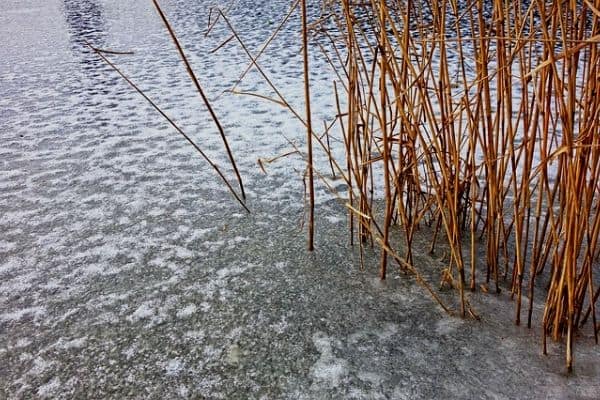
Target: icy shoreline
{"type": "Point", "coordinates": [127, 271]}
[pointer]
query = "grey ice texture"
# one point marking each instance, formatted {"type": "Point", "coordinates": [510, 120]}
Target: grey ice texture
{"type": "Point", "coordinates": [128, 271]}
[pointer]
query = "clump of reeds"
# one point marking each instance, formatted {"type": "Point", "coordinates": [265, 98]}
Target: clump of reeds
{"type": "Point", "coordinates": [482, 119]}
{"type": "Point", "coordinates": [479, 119]}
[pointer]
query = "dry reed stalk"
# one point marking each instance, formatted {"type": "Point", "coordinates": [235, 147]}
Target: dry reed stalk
{"type": "Point", "coordinates": [481, 121]}
{"type": "Point", "coordinates": [266, 44]}
{"type": "Point", "coordinates": [281, 100]}
{"type": "Point", "coordinates": [214, 166]}
{"type": "Point", "coordinates": [205, 100]}
{"type": "Point", "coordinates": [386, 139]}
{"type": "Point", "coordinates": [311, 185]}
{"type": "Point", "coordinates": [484, 120]}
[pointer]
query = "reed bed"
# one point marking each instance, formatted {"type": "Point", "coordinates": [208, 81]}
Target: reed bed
{"type": "Point", "coordinates": [480, 119]}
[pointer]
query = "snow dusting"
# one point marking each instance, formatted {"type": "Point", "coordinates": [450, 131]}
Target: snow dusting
{"type": "Point", "coordinates": [128, 271]}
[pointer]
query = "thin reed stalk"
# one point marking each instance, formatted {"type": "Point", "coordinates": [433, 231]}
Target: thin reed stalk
{"type": "Point", "coordinates": [214, 166]}
{"type": "Point", "coordinates": [480, 121]}
{"type": "Point", "coordinates": [205, 100]}
{"type": "Point", "coordinates": [311, 185]}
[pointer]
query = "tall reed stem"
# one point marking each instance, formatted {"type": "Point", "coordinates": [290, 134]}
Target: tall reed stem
{"type": "Point", "coordinates": [311, 185]}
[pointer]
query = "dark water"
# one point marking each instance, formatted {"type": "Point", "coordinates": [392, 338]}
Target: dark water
{"type": "Point", "coordinates": [127, 270]}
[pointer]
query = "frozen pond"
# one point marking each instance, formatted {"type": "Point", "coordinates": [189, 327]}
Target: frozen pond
{"type": "Point", "coordinates": [128, 271]}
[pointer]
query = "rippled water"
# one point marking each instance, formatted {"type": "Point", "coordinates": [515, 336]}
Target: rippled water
{"type": "Point", "coordinates": [128, 271]}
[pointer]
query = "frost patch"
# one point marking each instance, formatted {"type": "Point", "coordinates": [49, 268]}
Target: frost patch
{"type": "Point", "coordinates": [48, 389]}
{"type": "Point", "coordinates": [334, 219]}
{"type": "Point", "coordinates": [184, 253]}
{"type": "Point", "coordinates": [173, 367]}
{"type": "Point", "coordinates": [232, 271]}
{"type": "Point", "coordinates": [214, 246]}
{"type": "Point", "coordinates": [281, 326]}
{"type": "Point", "coordinates": [447, 326]}
{"type": "Point", "coordinates": [98, 269]}
{"type": "Point", "coordinates": [71, 344]}
{"type": "Point", "coordinates": [129, 352]}
{"type": "Point", "coordinates": [23, 342]}
{"type": "Point", "coordinates": [187, 311]}
{"type": "Point", "coordinates": [40, 366]}
{"type": "Point", "coordinates": [36, 312]}
{"type": "Point", "coordinates": [328, 369]}
{"type": "Point", "coordinates": [6, 246]}
{"type": "Point", "coordinates": [19, 284]}
{"type": "Point", "coordinates": [236, 240]}
{"type": "Point", "coordinates": [371, 377]}
{"type": "Point", "coordinates": [183, 392]}
{"type": "Point", "coordinates": [200, 233]}
{"type": "Point", "coordinates": [388, 331]}
{"type": "Point", "coordinates": [11, 264]}
{"type": "Point", "coordinates": [144, 311]}
{"type": "Point", "coordinates": [156, 212]}
{"type": "Point", "coordinates": [194, 335]}
{"type": "Point", "coordinates": [281, 265]}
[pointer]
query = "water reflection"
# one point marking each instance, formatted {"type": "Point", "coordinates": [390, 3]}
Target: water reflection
{"type": "Point", "coordinates": [86, 23]}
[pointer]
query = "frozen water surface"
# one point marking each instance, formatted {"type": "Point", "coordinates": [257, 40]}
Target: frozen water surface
{"type": "Point", "coordinates": [127, 270]}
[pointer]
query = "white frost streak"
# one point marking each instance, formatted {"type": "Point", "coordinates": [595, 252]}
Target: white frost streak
{"type": "Point", "coordinates": [36, 312]}
{"type": "Point", "coordinates": [173, 367]}
{"type": "Point", "coordinates": [187, 311]}
{"type": "Point", "coordinates": [329, 370]}
{"type": "Point", "coordinates": [47, 390]}
{"type": "Point", "coordinates": [142, 312]}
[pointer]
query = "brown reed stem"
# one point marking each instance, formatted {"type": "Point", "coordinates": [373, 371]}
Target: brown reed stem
{"type": "Point", "coordinates": [311, 185]}
{"type": "Point", "coordinates": [196, 83]}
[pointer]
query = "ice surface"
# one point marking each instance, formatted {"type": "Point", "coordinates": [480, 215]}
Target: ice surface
{"type": "Point", "coordinates": [128, 271]}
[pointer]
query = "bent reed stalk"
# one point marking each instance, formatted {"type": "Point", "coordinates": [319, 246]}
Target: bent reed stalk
{"type": "Point", "coordinates": [101, 53]}
{"type": "Point", "coordinates": [198, 87]}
